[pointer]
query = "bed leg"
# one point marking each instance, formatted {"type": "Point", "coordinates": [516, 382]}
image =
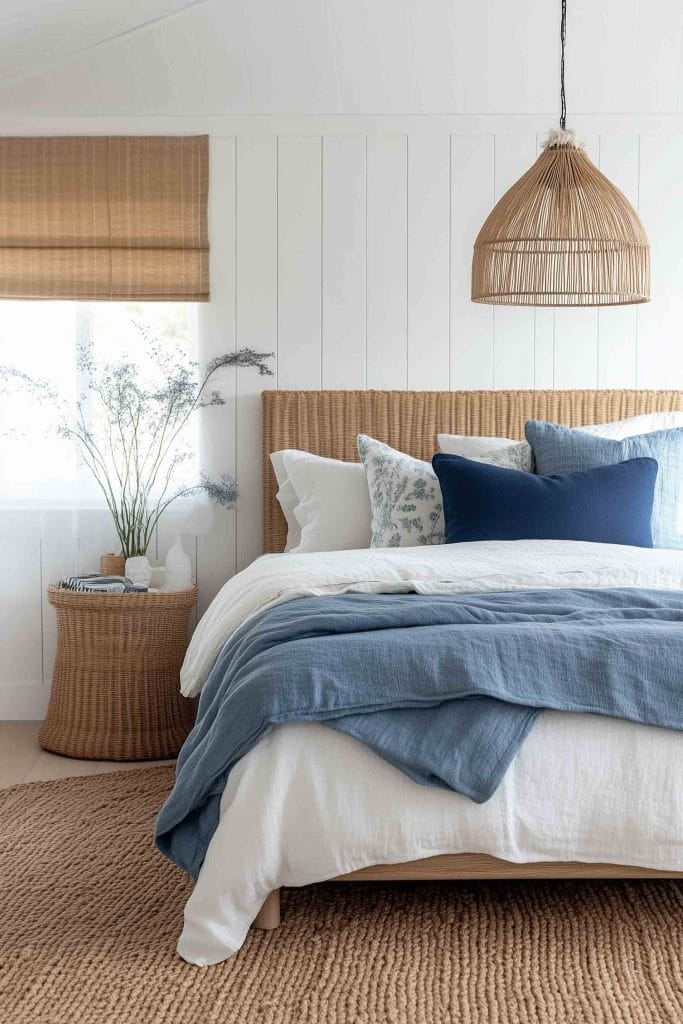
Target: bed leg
{"type": "Point", "coordinates": [268, 916]}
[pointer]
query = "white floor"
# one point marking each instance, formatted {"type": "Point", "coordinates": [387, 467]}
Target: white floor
{"type": "Point", "coordinates": [22, 760]}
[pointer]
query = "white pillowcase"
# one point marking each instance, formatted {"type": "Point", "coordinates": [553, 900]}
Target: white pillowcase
{"type": "Point", "coordinates": [502, 452]}
{"type": "Point", "coordinates": [473, 447]}
{"type": "Point", "coordinates": [287, 498]}
{"type": "Point", "coordinates": [325, 502]}
{"type": "Point", "coordinates": [648, 423]}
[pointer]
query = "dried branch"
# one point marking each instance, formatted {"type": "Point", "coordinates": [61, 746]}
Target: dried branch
{"type": "Point", "coordinates": [129, 430]}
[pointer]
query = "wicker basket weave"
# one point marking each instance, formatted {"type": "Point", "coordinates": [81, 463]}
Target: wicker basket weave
{"type": "Point", "coordinates": [115, 686]}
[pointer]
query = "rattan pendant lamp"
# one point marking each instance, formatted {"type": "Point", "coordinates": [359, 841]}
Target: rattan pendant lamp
{"type": "Point", "coordinates": [563, 235]}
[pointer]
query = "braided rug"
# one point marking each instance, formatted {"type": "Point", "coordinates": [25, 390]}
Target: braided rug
{"type": "Point", "coordinates": [90, 914]}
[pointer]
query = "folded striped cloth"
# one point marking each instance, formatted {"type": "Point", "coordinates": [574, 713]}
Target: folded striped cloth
{"type": "Point", "coordinates": [95, 583]}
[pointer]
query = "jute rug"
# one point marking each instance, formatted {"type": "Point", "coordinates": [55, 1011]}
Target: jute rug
{"type": "Point", "coordinates": [90, 913]}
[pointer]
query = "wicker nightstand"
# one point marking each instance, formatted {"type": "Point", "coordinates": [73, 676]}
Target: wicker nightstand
{"type": "Point", "coordinates": [115, 689]}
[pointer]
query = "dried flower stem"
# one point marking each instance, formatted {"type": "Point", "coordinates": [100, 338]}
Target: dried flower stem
{"type": "Point", "coordinates": [135, 446]}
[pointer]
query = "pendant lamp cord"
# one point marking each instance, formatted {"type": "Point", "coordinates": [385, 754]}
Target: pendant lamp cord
{"type": "Point", "coordinates": [563, 39]}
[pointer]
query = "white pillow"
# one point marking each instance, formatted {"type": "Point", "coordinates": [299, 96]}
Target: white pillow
{"type": "Point", "coordinates": [287, 498]}
{"type": "Point", "coordinates": [496, 451]}
{"type": "Point", "coordinates": [332, 510]}
{"type": "Point", "coordinates": [473, 447]}
{"type": "Point", "coordinates": [645, 424]}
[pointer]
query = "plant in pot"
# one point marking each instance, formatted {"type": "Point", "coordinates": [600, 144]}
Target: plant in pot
{"type": "Point", "coordinates": [130, 429]}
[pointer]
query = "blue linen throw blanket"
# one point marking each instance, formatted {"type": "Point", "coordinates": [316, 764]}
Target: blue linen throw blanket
{"type": "Point", "coordinates": [445, 688]}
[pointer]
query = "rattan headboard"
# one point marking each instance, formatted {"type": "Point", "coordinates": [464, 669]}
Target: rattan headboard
{"type": "Point", "coordinates": [327, 422]}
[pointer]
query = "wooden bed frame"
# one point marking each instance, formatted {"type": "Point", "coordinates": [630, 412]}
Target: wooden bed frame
{"type": "Point", "coordinates": [327, 422]}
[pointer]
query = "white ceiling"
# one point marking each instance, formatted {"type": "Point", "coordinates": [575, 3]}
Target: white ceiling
{"type": "Point", "coordinates": [39, 33]}
{"type": "Point", "coordinates": [336, 56]}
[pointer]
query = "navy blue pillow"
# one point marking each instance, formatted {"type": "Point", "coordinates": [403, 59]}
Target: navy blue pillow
{"type": "Point", "coordinates": [608, 505]}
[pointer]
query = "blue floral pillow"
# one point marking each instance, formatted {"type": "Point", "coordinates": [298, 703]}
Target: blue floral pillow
{"type": "Point", "coordinates": [562, 450]}
{"type": "Point", "coordinates": [405, 497]}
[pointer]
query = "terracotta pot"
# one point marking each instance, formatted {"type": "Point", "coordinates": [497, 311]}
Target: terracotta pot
{"type": "Point", "coordinates": [112, 565]}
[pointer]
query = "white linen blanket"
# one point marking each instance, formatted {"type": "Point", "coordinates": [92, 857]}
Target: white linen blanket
{"type": "Point", "coordinates": [309, 803]}
{"type": "Point", "coordinates": [480, 567]}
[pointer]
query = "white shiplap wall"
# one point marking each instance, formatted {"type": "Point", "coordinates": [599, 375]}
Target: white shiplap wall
{"type": "Point", "coordinates": [343, 245]}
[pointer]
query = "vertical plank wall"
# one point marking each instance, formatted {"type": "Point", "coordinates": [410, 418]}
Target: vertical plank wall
{"type": "Point", "coordinates": [348, 257]}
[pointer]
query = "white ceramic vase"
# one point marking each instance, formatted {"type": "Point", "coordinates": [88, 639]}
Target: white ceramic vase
{"type": "Point", "coordinates": [138, 570]}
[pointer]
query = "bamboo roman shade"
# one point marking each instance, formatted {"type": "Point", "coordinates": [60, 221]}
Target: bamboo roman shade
{"type": "Point", "coordinates": [97, 217]}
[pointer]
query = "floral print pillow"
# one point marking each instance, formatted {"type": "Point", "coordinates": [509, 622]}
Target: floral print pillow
{"type": "Point", "coordinates": [405, 497]}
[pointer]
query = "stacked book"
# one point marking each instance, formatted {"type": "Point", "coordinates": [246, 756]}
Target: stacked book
{"type": "Point", "coordinates": [94, 582]}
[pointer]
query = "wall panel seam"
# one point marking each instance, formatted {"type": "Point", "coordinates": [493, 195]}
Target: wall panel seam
{"type": "Point", "coordinates": [365, 275]}
{"type": "Point", "coordinates": [407, 262]}
{"type": "Point", "coordinates": [322, 256]}
{"type": "Point", "coordinates": [450, 255]}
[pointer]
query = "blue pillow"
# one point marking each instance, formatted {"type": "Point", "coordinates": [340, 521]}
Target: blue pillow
{"type": "Point", "coordinates": [562, 450]}
{"type": "Point", "coordinates": [611, 505]}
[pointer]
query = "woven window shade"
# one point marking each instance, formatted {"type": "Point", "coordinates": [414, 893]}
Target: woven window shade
{"type": "Point", "coordinates": [96, 217]}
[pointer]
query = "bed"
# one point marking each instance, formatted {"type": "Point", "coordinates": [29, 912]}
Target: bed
{"type": "Point", "coordinates": [296, 770]}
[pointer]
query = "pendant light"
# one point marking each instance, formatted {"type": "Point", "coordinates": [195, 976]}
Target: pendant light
{"type": "Point", "coordinates": [563, 235]}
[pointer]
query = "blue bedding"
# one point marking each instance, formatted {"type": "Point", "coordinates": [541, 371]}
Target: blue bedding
{"type": "Point", "coordinates": [445, 688]}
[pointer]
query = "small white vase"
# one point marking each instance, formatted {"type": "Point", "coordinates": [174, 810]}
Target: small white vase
{"type": "Point", "coordinates": [178, 567]}
{"type": "Point", "coordinates": [138, 570]}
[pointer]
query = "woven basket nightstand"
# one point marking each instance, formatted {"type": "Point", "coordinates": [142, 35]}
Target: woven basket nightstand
{"type": "Point", "coordinates": [115, 686]}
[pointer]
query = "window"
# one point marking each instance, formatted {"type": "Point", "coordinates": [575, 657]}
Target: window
{"type": "Point", "coordinates": [41, 339]}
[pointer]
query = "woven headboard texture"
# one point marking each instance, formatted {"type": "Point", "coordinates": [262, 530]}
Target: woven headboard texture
{"type": "Point", "coordinates": [327, 422]}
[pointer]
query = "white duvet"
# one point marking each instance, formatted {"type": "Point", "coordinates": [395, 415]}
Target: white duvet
{"type": "Point", "coordinates": [308, 803]}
